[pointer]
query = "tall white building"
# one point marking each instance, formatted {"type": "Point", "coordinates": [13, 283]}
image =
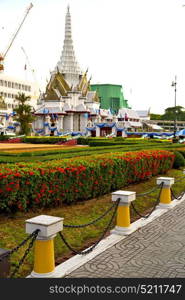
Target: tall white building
{"type": "Point", "coordinates": [9, 89]}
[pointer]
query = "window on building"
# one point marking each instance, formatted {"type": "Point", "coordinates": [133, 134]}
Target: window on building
{"type": "Point", "coordinates": [5, 83]}
{"type": "Point", "coordinates": [9, 84]}
{"type": "Point", "coordinates": [1, 82]}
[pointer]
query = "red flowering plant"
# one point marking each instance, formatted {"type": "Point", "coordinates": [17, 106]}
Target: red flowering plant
{"type": "Point", "coordinates": [31, 185]}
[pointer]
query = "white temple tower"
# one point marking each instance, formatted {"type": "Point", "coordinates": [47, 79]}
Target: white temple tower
{"type": "Point", "coordinates": [68, 102]}
{"type": "Point", "coordinates": [68, 65]}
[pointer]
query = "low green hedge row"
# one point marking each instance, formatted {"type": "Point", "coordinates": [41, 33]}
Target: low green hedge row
{"type": "Point", "coordinates": [5, 137]}
{"type": "Point", "coordinates": [99, 143]}
{"type": "Point", "coordinates": [62, 153]}
{"type": "Point", "coordinates": [29, 185]}
{"type": "Point", "coordinates": [118, 140]}
{"type": "Point", "coordinates": [44, 139]}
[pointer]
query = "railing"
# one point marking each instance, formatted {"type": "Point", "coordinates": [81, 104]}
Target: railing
{"type": "Point", "coordinates": [43, 229]}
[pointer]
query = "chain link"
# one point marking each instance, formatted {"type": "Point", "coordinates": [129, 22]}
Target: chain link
{"type": "Point", "coordinates": [84, 252]}
{"type": "Point", "coordinates": [93, 222]}
{"type": "Point", "coordinates": [179, 197]}
{"type": "Point", "coordinates": [156, 203]}
{"type": "Point", "coordinates": [19, 246]}
{"type": "Point", "coordinates": [180, 178]}
{"type": "Point", "coordinates": [34, 236]}
{"type": "Point", "coordinates": [148, 192]}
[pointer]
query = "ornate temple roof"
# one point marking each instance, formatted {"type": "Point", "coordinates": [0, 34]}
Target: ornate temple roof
{"type": "Point", "coordinates": [68, 63]}
{"type": "Point", "coordinates": [68, 79]}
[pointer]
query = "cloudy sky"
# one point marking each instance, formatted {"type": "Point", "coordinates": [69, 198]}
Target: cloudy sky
{"type": "Point", "coordinates": [139, 44]}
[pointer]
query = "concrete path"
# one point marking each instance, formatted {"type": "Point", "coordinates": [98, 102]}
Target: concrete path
{"type": "Point", "coordinates": [155, 250]}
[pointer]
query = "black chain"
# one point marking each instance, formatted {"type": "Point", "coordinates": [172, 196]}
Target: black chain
{"type": "Point", "coordinates": [156, 203]}
{"type": "Point", "coordinates": [35, 234]}
{"type": "Point", "coordinates": [180, 178]}
{"type": "Point", "coordinates": [93, 222]}
{"type": "Point", "coordinates": [20, 245]}
{"type": "Point", "coordinates": [84, 252]}
{"type": "Point", "coordinates": [179, 197]}
{"type": "Point", "coordinates": [148, 192]}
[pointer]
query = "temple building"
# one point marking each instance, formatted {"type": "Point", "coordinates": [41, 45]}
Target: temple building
{"type": "Point", "coordinates": [68, 103]}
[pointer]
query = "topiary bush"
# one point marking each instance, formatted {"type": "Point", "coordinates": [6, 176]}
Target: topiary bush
{"type": "Point", "coordinates": [182, 152]}
{"type": "Point", "coordinates": [179, 160]}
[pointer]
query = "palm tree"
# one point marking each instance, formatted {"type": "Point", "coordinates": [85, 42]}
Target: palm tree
{"type": "Point", "coordinates": [3, 105]}
{"type": "Point", "coordinates": [24, 113]}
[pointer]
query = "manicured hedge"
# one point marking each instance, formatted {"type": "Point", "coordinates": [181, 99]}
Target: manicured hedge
{"type": "Point", "coordinates": [136, 142]}
{"type": "Point", "coordinates": [117, 141]}
{"type": "Point", "coordinates": [179, 160]}
{"type": "Point", "coordinates": [44, 139]}
{"type": "Point", "coordinates": [29, 185]}
{"type": "Point", "coordinates": [5, 137]}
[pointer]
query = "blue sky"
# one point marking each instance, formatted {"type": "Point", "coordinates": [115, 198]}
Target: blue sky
{"type": "Point", "coordinates": [136, 43]}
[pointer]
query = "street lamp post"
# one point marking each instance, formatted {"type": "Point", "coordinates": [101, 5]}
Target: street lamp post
{"type": "Point", "coordinates": [174, 84]}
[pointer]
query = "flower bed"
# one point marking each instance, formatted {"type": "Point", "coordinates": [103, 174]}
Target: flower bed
{"type": "Point", "coordinates": [47, 184]}
{"type": "Point", "coordinates": [68, 143]}
{"type": "Point", "coordinates": [12, 140]}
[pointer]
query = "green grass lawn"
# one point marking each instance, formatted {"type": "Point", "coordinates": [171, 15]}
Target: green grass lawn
{"type": "Point", "coordinates": [12, 227]}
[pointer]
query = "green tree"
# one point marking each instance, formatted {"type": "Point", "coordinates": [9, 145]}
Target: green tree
{"type": "Point", "coordinates": [155, 117]}
{"type": "Point", "coordinates": [24, 113]}
{"type": "Point", "coordinates": [172, 112]}
{"type": "Point", "coordinates": [3, 105]}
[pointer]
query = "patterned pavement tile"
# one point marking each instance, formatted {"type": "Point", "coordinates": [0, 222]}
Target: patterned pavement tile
{"type": "Point", "coordinates": [155, 251]}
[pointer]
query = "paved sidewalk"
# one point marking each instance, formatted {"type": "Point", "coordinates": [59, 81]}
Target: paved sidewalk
{"type": "Point", "coordinates": [155, 250]}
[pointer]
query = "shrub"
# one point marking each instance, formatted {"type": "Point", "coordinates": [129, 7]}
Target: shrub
{"type": "Point", "coordinates": [179, 160]}
{"type": "Point", "coordinates": [44, 139]}
{"type": "Point", "coordinates": [182, 152]}
{"type": "Point", "coordinates": [5, 137]}
{"type": "Point", "coordinates": [48, 184]}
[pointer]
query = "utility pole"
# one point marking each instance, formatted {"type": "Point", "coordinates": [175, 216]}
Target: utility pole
{"type": "Point", "coordinates": [174, 84]}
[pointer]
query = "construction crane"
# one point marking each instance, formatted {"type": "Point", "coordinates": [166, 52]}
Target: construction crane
{"type": "Point", "coordinates": [31, 69]}
{"type": "Point", "coordinates": [2, 56]}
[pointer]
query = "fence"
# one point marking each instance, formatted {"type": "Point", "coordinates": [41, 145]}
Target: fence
{"type": "Point", "coordinates": [43, 229]}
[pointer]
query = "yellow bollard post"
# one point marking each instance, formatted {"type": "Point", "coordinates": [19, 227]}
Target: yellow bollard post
{"type": "Point", "coordinates": [44, 261]}
{"type": "Point", "coordinates": [123, 226]}
{"type": "Point", "coordinates": [165, 196]}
